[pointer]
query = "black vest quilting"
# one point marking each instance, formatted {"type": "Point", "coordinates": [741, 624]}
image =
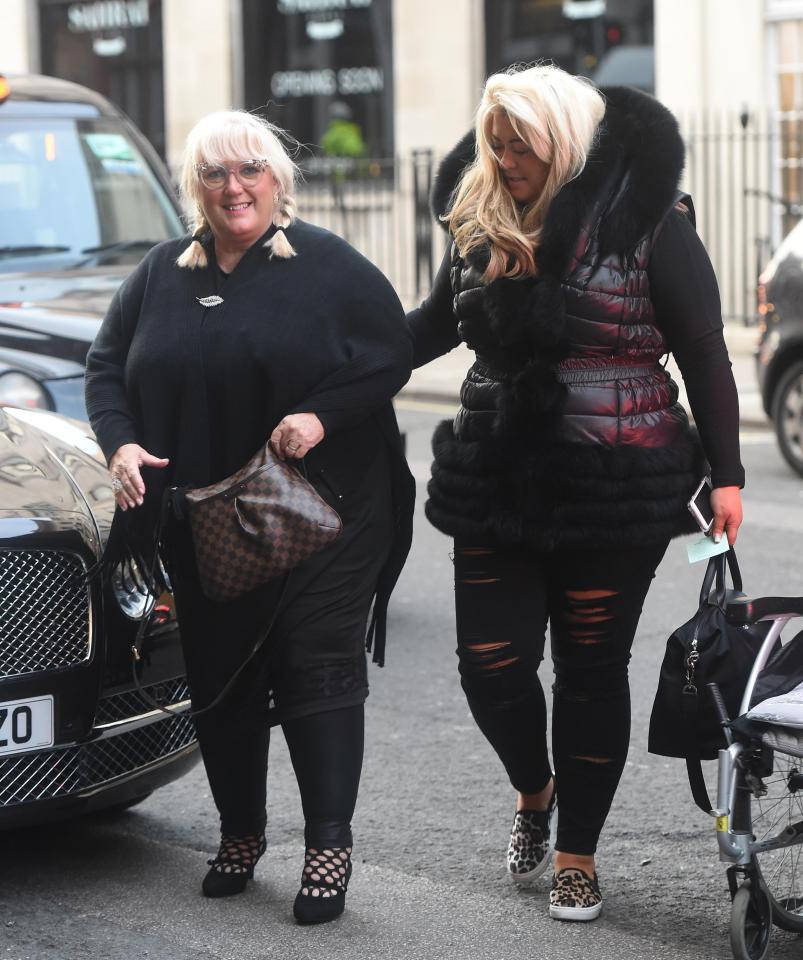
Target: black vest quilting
{"type": "Point", "coordinates": [569, 432]}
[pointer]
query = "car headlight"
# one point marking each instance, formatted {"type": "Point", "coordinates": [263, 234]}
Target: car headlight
{"type": "Point", "coordinates": [19, 390]}
{"type": "Point", "coordinates": [130, 589]}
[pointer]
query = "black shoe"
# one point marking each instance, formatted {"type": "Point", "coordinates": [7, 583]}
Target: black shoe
{"type": "Point", "coordinates": [324, 882]}
{"type": "Point", "coordinates": [233, 866]}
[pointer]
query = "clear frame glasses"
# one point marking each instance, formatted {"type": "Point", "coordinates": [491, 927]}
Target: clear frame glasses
{"type": "Point", "coordinates": [214, 176]}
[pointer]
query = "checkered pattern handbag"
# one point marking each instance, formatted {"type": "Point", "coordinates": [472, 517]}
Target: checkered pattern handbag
{"type": "Point", "coordinates": [256, 524]}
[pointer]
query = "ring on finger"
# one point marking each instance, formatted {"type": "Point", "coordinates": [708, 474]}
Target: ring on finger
{"type": "Point", "coordinates": [117, 484]}
{"type": "Point", "coordinates": [293, 445]}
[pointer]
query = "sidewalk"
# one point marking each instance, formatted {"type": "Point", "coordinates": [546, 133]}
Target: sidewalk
{"type": "Point", "coordinates": [439, 381]}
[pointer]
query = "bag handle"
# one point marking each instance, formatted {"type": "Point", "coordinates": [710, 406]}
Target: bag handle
{"type": "Point", "coordinates": [716, 571]}
{"type": "Point", "coordinates": [167, 503]}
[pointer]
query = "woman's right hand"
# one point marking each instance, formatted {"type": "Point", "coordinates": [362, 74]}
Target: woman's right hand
{"type": "Point", "coordinates": [124, 468]}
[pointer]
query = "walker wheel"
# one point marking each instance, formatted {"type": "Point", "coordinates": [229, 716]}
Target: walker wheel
{"type": "Point", "coordinates": [751, 922]}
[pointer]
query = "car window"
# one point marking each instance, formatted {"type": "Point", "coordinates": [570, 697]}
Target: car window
{"type": "Point", "coordinates": [72, 186]}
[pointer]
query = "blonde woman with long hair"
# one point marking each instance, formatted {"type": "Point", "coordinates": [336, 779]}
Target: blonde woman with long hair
{"type": "Point", "coordinates": [574, 267]}
{"type": "Point", "coordinates": [256, 327]}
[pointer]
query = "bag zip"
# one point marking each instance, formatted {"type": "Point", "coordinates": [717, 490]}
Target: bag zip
{"type": "Point", "coordinates": [233, 491]}
{"type": "Point", "coordinates": [691, 662]}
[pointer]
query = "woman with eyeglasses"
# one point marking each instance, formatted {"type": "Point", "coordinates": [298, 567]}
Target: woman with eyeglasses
{"type": "Point", "coordinates": [260, 326]}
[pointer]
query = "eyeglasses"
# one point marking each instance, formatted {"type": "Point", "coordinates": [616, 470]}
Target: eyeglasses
{"type": "Point", "coordinates": [214, 176]}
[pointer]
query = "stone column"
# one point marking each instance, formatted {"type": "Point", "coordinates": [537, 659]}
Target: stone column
{"type": "Point", "coordinates": [199, 69]}
{"type": "Point", "coordinates": [709, 56]}
{"type": "Point", "coordinates": [438, 56]}
{"type": "Point", "coordinates": [19, 52]}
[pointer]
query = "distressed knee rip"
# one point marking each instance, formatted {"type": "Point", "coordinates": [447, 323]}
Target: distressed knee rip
{"type": "Point", "coordinates": [598, 760]}
{"type": "Point", "coordinates": [476, 576]}
{"type": "Point", "coordinates": [588, 607]}
{"type": "Point", "coordinates": [475, 551]}
{"type": "Point", "coordinates": [486, 656]}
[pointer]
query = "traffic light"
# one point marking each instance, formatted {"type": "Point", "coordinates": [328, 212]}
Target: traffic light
{"type": "Point", "coordinates": [613, 34]}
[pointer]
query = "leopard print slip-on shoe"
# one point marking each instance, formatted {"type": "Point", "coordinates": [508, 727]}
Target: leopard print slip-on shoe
{"type": "Point", "coordinates": [530, 849]}
{"type": "Point", "coordinates": [574, 895]}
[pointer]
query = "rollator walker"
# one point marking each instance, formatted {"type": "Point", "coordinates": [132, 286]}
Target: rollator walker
{"type": "Point", "coordinates": [759, 803]}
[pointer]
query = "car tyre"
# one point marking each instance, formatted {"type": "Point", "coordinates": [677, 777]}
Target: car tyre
{"type": "Point", "coordinates": [787, 415]}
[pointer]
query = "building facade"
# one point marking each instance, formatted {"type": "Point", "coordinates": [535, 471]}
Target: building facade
{"type": "Point", "coordinates": [381, 77]}
{"type": "Point", "coordinates": [736, 85]}
{"type": "Point", "coordinates": [384, 79]}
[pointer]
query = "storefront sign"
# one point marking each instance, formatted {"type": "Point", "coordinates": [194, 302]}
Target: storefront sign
{"type": "Point", "coordinates": [308, 83]}
{"type": "Point", "coordinates": [107, 15]}
{"type": "Point", "coordinates": [320, 6]}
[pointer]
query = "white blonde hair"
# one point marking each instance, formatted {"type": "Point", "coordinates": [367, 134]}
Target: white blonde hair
{"type": "Point", "coordinates": [556, 115]}
{"type": "Point", "coordinates": [236, 135]}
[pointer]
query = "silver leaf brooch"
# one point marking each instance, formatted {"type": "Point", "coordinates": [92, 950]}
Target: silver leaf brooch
{"type": "Point", "coordinates": [209, 301]}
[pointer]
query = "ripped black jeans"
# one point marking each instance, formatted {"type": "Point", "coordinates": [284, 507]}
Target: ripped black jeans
{"type": "Point", "coordinates": [592, 600]}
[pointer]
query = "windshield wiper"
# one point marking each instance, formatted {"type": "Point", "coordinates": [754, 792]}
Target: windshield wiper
{"type": "Point", "coordinates": [25, 250]}
{"type": "Point", "coordinates": [120, 246]}
{"type": "Point", "coordinates": [106, 250]}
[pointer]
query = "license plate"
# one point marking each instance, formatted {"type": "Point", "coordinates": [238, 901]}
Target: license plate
{"type": "Point", "coordinates": [26, 724]}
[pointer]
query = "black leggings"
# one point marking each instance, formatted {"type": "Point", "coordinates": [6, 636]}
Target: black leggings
{"type": "Point", "coordinates": [504, 598]}
{"type": "Point", "coordinates": [310, 675]}
{"type": "Point", "coordinates": [326, 751]}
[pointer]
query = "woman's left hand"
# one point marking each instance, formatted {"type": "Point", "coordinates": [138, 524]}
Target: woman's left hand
{"type": "Point", "coordinates": [726, 502]}
{"type": "Point", "coordinates": [296, 435]}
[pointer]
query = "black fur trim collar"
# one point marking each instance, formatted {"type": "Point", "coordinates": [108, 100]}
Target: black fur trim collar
{"type": "Point", "coordinates": [634, 169]}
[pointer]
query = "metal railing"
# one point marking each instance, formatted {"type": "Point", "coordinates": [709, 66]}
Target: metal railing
{"type": "Point", "coordinates": [382, 208]}
{"type": "Point", "coordinates": [734, 172]}
{"type": "Point", "coordinates": [744, 200]}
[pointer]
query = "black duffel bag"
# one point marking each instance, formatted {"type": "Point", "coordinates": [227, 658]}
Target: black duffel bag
{"type": "Point", "coordinates": [706, 649]}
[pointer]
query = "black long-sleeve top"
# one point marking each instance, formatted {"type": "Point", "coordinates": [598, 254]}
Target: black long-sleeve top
{"type": "Point", "coordinates": [685, 297]}
{"type": "Point", "coordinates": [322, 332]}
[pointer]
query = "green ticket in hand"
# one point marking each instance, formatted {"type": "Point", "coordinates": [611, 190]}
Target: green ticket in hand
{"type": "Point", "coordinates": [704, 548]}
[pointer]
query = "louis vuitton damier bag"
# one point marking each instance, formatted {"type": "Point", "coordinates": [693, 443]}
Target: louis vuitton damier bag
{"type": "Point", "coordinates": [256, 524]}
{"type": "Point", "coordinates": [247, 529]}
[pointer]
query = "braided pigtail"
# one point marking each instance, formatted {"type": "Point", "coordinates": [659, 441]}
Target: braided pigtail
{"type": "Point", "coordinates": [194, 257]}
{"type": "Point", "coordinates": [278, 244]}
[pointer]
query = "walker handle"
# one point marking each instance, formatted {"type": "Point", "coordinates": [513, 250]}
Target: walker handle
{"type": "Point", "coordinates": [719, 703]}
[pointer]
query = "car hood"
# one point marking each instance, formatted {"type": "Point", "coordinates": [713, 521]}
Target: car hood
{"type": "Point", "coordinates": [54, 317]}
{"type": "Point", "coordinates": [52, 478]}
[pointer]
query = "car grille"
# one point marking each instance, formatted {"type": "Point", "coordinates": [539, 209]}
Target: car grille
{"type": "Point", "coordinates": [59, 773]}
{"type": "Point", "coordinates": [121, 706]}
{"type": "Point", "coordinates": [46, 611]}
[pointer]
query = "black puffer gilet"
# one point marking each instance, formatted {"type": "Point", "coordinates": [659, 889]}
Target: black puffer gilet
{"type": "Point", "coordinates": [569, 431]}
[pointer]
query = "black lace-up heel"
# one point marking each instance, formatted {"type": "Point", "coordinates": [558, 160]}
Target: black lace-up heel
{"type": "Point", "coordinates": [233, 866]}
{"type": "Point", "coordinates": [324, 882]}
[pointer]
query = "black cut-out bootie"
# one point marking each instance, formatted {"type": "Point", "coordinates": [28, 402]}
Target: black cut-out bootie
{"type": "Point", "coordinates": [233, 866]}
{"type": "Point", "coordinates": [324, 882]}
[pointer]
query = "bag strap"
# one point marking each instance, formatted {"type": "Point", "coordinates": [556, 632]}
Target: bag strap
{"type": "Point", "coordinates": [715, 571]}
{"type": "Point", "coordinates": [689, 711]}
{"type": "Point", "coordinates": [167, 499]}
{"type": "Point", "coordinates": [694, 770]}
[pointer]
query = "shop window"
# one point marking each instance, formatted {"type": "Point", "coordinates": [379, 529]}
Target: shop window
{"type": "Point", "coordinates": [577, 35]}
{"type": "Point", "coordinates": [112, 47]}
{"type": "Point", "coordinates": [323, 70]}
